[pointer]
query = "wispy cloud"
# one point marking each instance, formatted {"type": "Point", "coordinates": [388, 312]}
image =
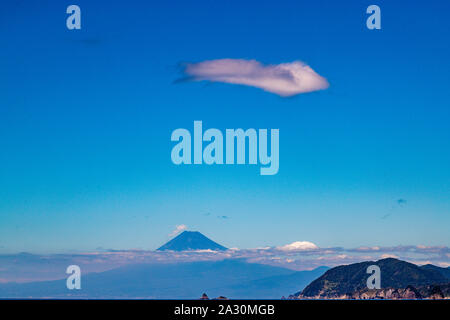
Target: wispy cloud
{"type": "Point", "coordinates": [400, 203]}
{"type": "Point", "coordinates": [178, 229]}
{"type": "Point", "coordinates": [285, 79]}
{"type": "Point", "coordinates": [389, 255]}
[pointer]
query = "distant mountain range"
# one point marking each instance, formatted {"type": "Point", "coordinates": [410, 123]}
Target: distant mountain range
{"type": "Point", "coordinates": [349, 281]}
{"type": "Point", "coordinates": [236, 279]}
{"type": "Point", "coordinates": [233, 278]}
{"type": "Point", "coordinates": [191, 240]}
{"type": "Point", "coordinates": [239, 279]}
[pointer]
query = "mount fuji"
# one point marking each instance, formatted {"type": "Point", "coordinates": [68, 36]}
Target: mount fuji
{"type": "Point", "coordinates": [191, 240]}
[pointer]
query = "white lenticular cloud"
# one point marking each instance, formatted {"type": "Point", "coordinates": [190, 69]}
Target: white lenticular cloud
{"type": "Point", "coordinates": [285, 79]}
{"type": "Point", "coordinates": [178, 229]}
{"type": "Point", "coordinates": [299, 246]}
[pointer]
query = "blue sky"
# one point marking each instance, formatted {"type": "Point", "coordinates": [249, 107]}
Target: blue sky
{"type": "Point", "coordinates": [86, 118]}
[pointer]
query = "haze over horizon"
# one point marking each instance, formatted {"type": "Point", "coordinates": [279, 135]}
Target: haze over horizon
{"type": "Point", "coordinates": [193, 247]}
